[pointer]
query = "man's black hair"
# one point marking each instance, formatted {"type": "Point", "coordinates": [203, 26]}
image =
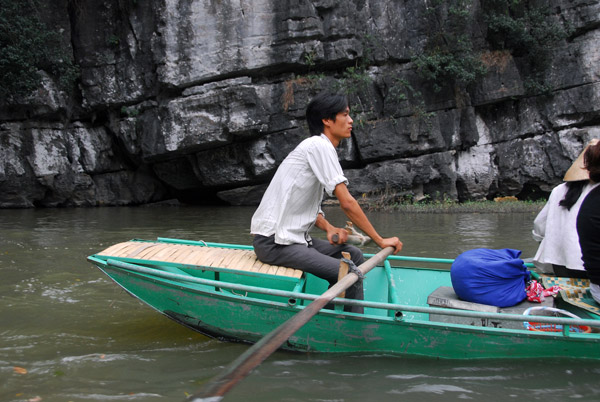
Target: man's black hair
{"type": "Point", "coordinates": [326, 105]}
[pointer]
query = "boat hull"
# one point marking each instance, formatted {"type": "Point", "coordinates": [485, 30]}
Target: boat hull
{"type": "Point", "coordinates": [234, 316]}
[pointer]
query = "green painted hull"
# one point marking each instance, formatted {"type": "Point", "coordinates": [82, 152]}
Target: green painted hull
{"type": "Point", "coordinates": [397, 318]}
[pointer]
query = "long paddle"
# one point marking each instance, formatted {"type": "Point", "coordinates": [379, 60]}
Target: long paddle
{"type": "Point", "coordinates": [255, 355]}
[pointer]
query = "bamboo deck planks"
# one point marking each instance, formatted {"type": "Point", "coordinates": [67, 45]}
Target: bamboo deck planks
{"type": "Point", "coordinates": [241, 260]}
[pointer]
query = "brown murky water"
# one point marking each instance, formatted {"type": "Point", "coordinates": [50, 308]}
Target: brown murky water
{"type": "Point", "coordinates": [69, 334]}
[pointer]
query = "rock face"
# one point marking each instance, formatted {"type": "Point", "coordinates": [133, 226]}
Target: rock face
{"type": "Point", "coordinates": [201, 100]}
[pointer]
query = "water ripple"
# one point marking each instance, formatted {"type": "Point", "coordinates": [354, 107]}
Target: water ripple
{"type": "Point", "coordinates": [121, 397]}
{"type": "Point", "coordinates": [95, 357]}
{"type": "Point", "coordinates": [438, 389]}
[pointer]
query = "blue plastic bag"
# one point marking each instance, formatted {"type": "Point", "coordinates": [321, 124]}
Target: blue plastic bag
{"type": "Point", "coordinates": [493, 277]}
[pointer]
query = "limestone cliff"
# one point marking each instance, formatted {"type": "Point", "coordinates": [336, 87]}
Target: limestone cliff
{"type": "Point", "coordinates": [200, 100]}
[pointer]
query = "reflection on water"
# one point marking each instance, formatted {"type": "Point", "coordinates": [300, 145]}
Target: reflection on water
{"type": "Point", "coordinates": [79, 337]}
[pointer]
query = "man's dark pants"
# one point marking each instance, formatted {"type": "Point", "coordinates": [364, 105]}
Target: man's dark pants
{"type": "Point", "coordinates": [319, 258]}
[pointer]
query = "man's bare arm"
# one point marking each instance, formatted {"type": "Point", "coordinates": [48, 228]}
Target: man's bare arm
{"type": "Point", "coordinates": [323, 224]}
{"type": "Point", "coordinates": [355, 213]}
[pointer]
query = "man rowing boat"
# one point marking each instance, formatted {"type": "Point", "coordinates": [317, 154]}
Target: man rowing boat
{"type": "Point", "coordinates": [291, 206]}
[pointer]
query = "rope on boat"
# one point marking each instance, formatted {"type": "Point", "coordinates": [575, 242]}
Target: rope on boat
{"type": "Point", "coordinates": [353, 268]}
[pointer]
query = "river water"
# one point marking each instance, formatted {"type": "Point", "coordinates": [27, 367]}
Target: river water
{"type": "Point", "coordinates": [67, 333]}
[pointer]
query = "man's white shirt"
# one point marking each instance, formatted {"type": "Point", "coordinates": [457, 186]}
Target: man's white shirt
{"type": "Point", "coordinates": [290, 206]}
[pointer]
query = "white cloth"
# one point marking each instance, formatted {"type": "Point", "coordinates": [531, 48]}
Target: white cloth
{"type": "Point", "coordinates": [595, 291]}
{"type": "Point", "coordinates": [556, 228]}
{"type": "Point", "coordinates": [290, 206]}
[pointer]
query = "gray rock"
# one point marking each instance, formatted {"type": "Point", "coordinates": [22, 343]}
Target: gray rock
{"type": "Point", "coordinates": [202, 100]}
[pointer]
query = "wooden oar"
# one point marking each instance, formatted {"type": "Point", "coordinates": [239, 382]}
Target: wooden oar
{"type": "Point", "coordinates": [255, 355]}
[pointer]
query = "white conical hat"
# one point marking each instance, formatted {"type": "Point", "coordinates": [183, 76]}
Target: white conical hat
{"type": "Point", "coordinates": [577, 171]}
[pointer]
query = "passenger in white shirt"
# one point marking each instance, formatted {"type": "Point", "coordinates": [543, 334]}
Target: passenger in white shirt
{"type": "Point", "coordinates": [291, 206]}
{"type": "Point", "coordinates": [559, 252]}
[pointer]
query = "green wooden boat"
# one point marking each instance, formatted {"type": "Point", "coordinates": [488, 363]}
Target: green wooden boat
{"type": "Point", "coordinates": [223, 291]}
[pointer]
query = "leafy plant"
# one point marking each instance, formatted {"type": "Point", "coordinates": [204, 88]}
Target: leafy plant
{"type": "Point", "coordinates": [129, 111]}
{"type": "Point", "coordinates": [113, 40]}
{"type": "Point", "coordinates": [309, 59]}
{"type": "Point", "coordinates": [527, 31]}
{"type": "Point", "coordinates": [449, 55]}
{"type": "Point", "coordinates": [402, 90]}
{"type": "Point", "coordinates": [355, 80]}
{"type": "Point", "coordinates": [28, 45]}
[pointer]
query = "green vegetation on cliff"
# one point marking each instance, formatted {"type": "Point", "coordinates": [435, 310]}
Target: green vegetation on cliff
{"type": "Point", "coordinates": [28, 46]}
{"type": "Point", "coordinates": [521, 27]}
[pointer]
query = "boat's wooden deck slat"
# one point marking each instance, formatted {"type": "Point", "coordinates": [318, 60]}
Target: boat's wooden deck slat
{"type": "Point", "coordinates": [182, 254]}
{"type": "Point", "coordinates": [214, 257]}
{"type": "Point", "coordinates": [115, 249]}
{"type": "Point", "coordinates": [149, 252]}
{"type": "Point", "coordinates": [242, 260]}
{"type": "Point", "coordinates": [139, 250]}
{"type": "Point", "coordinates": [124, 249]}
{"type": "Point", "coordinates": [165, 252]}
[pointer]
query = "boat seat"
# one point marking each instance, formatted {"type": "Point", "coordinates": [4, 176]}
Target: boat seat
{"type": "Point", "coordinates": [215, 258]}
{"type": "Point", "coordinates": [444, 296]}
